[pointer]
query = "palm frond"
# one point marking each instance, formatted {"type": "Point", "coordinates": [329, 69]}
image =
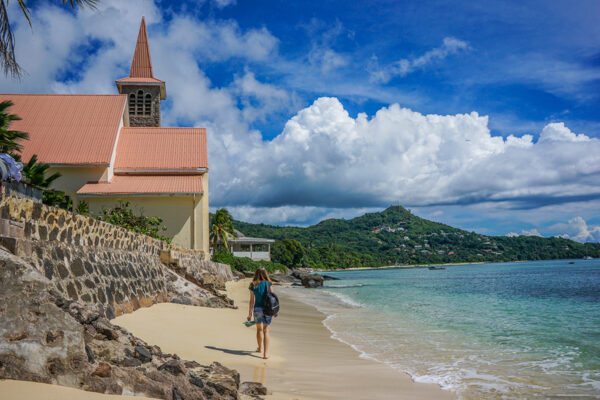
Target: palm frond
{"type": "Point", "coordinates": [7, 42]}
{"type": "Point", "coordinates": [80, 3]}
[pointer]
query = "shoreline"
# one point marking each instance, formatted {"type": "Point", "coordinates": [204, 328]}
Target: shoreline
{"type": "Point", "coordinates": [409, 266]}
{"type": "Point", "coordinates": [305, 361]}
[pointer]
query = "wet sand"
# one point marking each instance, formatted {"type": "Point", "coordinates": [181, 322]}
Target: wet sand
{"type": "Point", "coordinates": [305, 362]}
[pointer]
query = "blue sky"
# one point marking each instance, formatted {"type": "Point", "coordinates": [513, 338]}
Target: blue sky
{"type": "Point", "coordinates": [482, 115]}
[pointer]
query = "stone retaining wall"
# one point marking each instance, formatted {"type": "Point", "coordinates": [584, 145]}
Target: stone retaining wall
{"type": "Point", "coordinates": [94, 262]}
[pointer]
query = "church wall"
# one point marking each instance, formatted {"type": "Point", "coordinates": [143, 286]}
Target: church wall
{"type": "Point", "coordinates": [176, 212]}
{"type": "Point", "coordinates": [202, 241]}
{"type": "Point", "coordinates": [73, 178]}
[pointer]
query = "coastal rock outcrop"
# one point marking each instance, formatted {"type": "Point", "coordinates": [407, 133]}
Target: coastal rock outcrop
{"type": "Point", "coordinates": [47, 337]}
{"type": "Point", "coordinates": [309, 280]}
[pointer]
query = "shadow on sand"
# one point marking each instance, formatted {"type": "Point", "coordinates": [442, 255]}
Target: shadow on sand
{"type": "Point", "coordinates": [234, 352]}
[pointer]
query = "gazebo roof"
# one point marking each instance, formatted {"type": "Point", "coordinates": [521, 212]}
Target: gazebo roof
{"type": "Point", "coordinates": [243, 239]}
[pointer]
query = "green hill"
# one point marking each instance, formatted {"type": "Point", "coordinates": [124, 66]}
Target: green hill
{"type": "Point", "coordinates": [395, 236]}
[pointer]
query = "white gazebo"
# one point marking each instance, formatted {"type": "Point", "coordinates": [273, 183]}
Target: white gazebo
{"type": "Point", "coordinates": [253, 248]}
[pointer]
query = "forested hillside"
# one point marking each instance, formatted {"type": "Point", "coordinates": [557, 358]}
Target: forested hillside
{"type": "Point", "coordinates": [395, 236]}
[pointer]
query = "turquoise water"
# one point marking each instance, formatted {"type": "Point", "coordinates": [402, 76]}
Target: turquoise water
{"type": "Point", "coordinates": [510, 330]}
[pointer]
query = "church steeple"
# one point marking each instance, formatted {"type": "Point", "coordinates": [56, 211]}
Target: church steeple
{"type": "Point", "coordinates": [145, 92]}
{"type": "Point", "coordinates": [141, 66]}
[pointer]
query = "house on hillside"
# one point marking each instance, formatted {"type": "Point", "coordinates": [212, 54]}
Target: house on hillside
{"type": "Point", "coordinates": [112, 147]}
{"type": "Point", "coordinates": [254, 248]}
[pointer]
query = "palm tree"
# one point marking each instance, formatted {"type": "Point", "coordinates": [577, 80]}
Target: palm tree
{"type": "Point", "coordinates": [9, 139]}
{"type": "Point", "coordinates": [35, 173]}
{"type": "Point", "coordinates": [7, 40]}
{"type": "Point", "coordinates": [221, 230]}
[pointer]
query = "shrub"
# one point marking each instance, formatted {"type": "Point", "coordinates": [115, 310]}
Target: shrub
{"type": "Point", "coordinates": [124, 216]}
{"type": "Point", "coordinates": [246, 264]}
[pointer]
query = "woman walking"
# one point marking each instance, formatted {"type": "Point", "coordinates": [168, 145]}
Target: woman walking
{"type": "Point", "coordinates": [261, 283]}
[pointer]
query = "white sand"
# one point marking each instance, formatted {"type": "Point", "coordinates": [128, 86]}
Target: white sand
{"type": "Point", "coordinates": [305, 363]}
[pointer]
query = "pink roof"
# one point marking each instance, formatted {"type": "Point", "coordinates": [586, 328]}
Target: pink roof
{"type": "Point", "coordinates": [161, 149]}
{"type": "Point", "coordinates": [139, 80]}
{"type": "Point", "coordinates": [68, 129]}
{"type": "Point", "coordinates": [145, 184]}
{"type": "Point", "coordinates": [141, 65]}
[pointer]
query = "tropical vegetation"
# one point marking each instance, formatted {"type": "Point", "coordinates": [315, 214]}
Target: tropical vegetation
{"type": "Point", "coordinates": [123, 215]}
{"type": "Point", "coordinates": [396, 236]}
{"type": "Point", "coordinates": [221, 231]}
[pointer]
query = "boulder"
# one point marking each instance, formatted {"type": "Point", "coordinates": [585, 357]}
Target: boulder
{"type": "Point", "coordinates": [142, 354]}
{"type": "Point", "coordinates": [283, 278]}
{"type": "Point", "coordinates": [312, 280]}
{"type": "Point", "coordinates": [102, 370]}
{"type": "Point", "coordinates": [253, 389]}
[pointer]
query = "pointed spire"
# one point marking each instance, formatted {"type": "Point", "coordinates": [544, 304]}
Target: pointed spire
{"type": "Point", "coordinates": [141, 66]}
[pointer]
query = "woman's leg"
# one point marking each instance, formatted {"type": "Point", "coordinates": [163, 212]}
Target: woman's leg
{"type": "Point", "coordinates": [266, 340]}
{"type": "Point", "coordinates": [259, 336]}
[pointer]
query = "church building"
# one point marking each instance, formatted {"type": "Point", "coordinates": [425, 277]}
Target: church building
{"type": "Point", "coordinates": [112, 147]}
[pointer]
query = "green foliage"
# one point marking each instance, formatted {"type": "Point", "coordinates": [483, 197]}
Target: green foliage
{"type": "Point", "coordinates": [9, 139]}
{"type": "Point", "coordinates": [34, 173]}
{"type": "Point", "coordinates": [83, 208]}
{"type": "Point", "coordinates": [56, 198]}
{"type": "Point", "coordinates": [123, 215]}
{"type": "Point", "coordinates": [221, 230]}
{"type": "Point", "coordinates": [289, 252]}
{"type": "Point", "coordinates": [246, 264]}
{"type": "Point", "coordinates": [405, 239]}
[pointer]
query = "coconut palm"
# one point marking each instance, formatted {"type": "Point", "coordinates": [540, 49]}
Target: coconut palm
{"type": "Point", "coordinates": [221, 230]}
{"type": "Point", "coordinates": [35, 173]}
{"type": "Point", "coordinates": [9, 140]}
{"type": "Point", "coordinates": [7, 40]}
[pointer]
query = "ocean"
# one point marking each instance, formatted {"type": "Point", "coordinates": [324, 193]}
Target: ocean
{"type": "Point", "coordinates": [522, 330]}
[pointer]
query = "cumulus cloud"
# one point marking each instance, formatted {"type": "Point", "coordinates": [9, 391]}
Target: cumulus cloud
{"type": "Point", "coordinates": [327, 158]}
{"type": "Point", "coordinates": [578, 229]}
{"type": "Point", "coordinates": [259, 99]}
{"type": "Point", "coordinates": [405, 66]}
{"type": "Point", "coordinates": [525, 232]}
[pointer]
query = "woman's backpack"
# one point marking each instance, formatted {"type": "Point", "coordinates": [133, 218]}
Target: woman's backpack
{"type": "Point", "coordinates": [270, 303]}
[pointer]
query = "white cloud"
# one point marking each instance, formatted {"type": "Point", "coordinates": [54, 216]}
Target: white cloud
{"type": "Point", "coordinates": [558, 132]}
{"type": "Point", "coordinates": [525, 232]}
{"type": "Point", "coordinates": [224, 3]}
{"type": "Point", "coordinates": [405, 66]}
{"type": "Point", "coordinates": [578, 229]}
{"type": "Point", "coordinates": [325, 157]}
{"type": "Point", "coordinates": [531, 232]}
{"type": "Point", "coordinates": [260, 99]}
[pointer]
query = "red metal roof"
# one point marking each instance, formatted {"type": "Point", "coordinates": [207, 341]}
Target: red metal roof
{"type": "Point", "coordinates": [161, 149]}
{"type": "Point", "coordinates": [145, 184]}
{"type": "Point", "coordinates": [141, 66]}
{"type": "Point", "coordinates": [68, 129]}
{"type": "Point", "coordinates": [139, 80]}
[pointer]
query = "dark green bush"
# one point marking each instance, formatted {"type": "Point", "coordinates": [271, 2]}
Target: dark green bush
{"type": "Point", "coordinates": [246, 264]}
{"type": "Point", "coordinates": [124, 216]}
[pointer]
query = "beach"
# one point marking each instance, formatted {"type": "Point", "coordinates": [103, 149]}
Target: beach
{"type": "Point", "coordinates": [305, 362]}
